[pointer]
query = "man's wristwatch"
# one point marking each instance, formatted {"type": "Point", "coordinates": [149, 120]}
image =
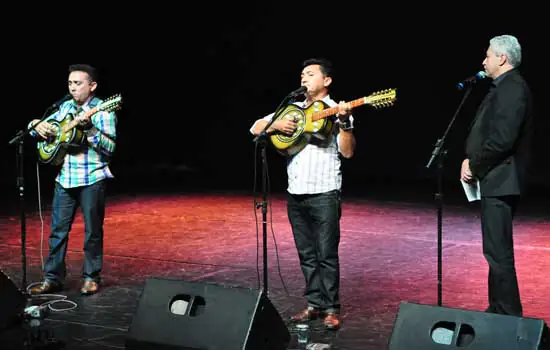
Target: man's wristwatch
{"type": "Point", "coordinates": [345, 125]}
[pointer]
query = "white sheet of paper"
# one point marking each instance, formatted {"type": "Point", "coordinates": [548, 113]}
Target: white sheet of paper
{"type": "Point", "coordinates": [471, 190]}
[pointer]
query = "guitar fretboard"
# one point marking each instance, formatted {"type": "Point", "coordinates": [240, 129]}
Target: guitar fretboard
{"type": "Point", "coordinates": [333, 110]}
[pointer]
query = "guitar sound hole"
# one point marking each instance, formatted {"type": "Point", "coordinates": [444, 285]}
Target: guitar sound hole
{"type": "Point", "coordinates": [51, 139]}
{"type": "Point", "coordinates": [51, 142]}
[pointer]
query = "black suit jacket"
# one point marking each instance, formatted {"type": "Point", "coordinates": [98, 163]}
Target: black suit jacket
{"type": "Point", "coordinates": [498, 146]}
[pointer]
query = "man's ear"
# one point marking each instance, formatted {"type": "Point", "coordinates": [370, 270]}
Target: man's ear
{"type": "Point", "coordinates": [502, 59]}
{"type": "Point", "coordinates": [327, 81]}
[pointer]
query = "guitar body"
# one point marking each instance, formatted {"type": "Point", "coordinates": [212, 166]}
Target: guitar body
{"type": "Point", "coordinates": [52, 151]}
{"type": "Point", "coordinates": [307, 128]}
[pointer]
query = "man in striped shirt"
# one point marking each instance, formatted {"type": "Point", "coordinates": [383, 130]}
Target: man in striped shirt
{"type": "Point", "coordinates": [314, 202]}
{"type": "Point", "coordinates": [81, 181]}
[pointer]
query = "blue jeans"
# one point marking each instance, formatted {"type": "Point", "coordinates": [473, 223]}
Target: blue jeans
{"type": "Point", "coordinates": [91, 200]}
{"type": "Point", "coordinates": [315, 221]}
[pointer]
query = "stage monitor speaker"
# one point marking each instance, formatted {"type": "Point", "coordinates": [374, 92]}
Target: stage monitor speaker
{"type": "Point", "coordinates": [174, 314]}
{"type": "Point", "coordinates": [430, 327]}
{"type": "Point", "coordinates": [12, 302]}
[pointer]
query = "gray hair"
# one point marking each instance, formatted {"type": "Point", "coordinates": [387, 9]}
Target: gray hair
{"type": "Point", "coordinates": [507, 45]}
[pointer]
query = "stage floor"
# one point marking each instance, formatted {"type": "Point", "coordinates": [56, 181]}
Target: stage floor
{"type": "Point", "coordinates": [388, 254]}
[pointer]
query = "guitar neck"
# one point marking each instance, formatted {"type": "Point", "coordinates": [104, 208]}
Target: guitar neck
{"type": "Point", "coordinates": [333, 110]}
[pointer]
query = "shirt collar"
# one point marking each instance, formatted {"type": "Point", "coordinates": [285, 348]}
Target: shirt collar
{"type": "Point", "coordinates": [499, 79]}
{"type": "Point", "coordinates": [87, 105]}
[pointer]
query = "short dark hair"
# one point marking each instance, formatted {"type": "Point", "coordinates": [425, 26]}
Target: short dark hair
{"type": "Point", "coordinates": [92, 71]}
{"type": "Point", "coordinates": [325, 64]}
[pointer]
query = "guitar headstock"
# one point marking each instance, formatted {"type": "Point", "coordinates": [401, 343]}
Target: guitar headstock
{"type": "Point", "coordinates": [383, 98]}
{"type": "Point", "coordinates": [111, 104]}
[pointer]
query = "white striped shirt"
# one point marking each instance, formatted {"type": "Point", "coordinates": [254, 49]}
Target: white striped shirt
{"type": "Point", "coordinates": [317, 167]}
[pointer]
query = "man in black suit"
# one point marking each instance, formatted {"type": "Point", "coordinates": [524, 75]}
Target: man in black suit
{"type": "Point", "coordinates": [497, 155]}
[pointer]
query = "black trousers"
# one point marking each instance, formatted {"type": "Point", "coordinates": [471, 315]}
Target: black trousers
{"type": "Point", "coordinates": [315, 221]}
{"type": "Point", "coordinates": [497, 214]}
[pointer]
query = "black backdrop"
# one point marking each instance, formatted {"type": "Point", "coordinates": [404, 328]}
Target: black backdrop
{"type": "Point", "coordinates": [193, 81]}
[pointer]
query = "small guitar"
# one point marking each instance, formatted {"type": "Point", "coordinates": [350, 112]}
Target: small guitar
{"type": "Point", "coordinates": [313, 122]}
{"type": "Point", "coordinates": [52, 151]}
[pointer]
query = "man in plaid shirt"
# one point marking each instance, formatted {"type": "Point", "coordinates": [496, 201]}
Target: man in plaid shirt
{"type": "Point", "coordinates": [81, 181]}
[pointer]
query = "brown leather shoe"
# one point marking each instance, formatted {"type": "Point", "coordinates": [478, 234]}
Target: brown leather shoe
{"type": "Point", "coordinates": [332, 321]}
{"type": "Point", "coordinates": [45, 287]}
{"type": "Point", "coordinates": [308, 314]}
{"type": "Point", "coordinates": [89, 288]}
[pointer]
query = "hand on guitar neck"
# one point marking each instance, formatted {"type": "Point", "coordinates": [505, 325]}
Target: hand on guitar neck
{"type": "Point", "coordinates": [84, 123]}
{"type": "Point", "coordinates": [344, 111]}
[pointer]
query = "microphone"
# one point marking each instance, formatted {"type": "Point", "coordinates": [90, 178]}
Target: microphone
{"type": "Point", "coordinates": [298, 91]}
{"type": "Point", "coordinates": [60, 101]}
{"type": "Point", "coordinates": [472, 80]}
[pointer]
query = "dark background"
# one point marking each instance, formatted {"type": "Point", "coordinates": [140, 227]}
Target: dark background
{"type": "Point", "coordinates": [194, 80]}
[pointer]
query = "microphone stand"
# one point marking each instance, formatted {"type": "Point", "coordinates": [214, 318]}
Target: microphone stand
{"type": "Point", "coordinates": [20, 183]}
{"type": "Point", "coordinates": [261, 141]}
{"type": "Point", "coordinates": [439, 152]}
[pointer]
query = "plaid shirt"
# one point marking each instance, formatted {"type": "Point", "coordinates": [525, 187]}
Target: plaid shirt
{"type": "Point", "coordinates": [88, 164]}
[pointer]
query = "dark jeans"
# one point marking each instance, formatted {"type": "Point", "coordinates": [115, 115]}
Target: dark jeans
{"type": "Point", "coordinates": [497, 214]}
{"type": "Point", "coordinates": [315, 221]}
{"type": "Point", "coordinates": [91, 200]}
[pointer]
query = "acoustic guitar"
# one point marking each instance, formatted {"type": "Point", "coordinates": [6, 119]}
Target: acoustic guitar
{"type": "Point", "coordinates": [313, 121]}
{"type": "Point", "coordinates": [52, 150]}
